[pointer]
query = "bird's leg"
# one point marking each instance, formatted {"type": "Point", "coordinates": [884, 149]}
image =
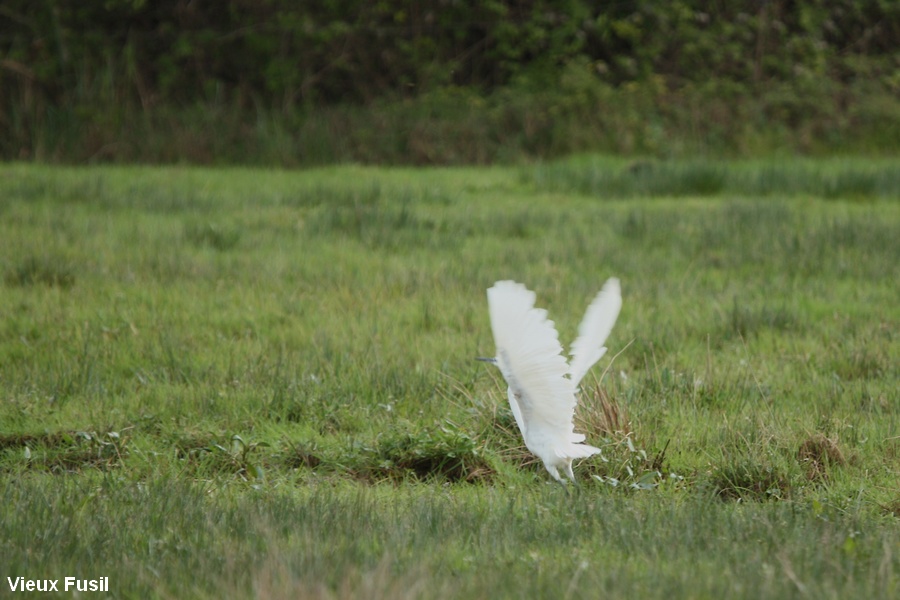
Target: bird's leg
{"type": "Point", "coordinates": [555, 474]}
{"type": "Point", "coordinates": [571, 475]}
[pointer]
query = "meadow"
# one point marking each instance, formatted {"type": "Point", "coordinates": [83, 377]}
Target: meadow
{"type": "Point", "coordinates": [250, 382]}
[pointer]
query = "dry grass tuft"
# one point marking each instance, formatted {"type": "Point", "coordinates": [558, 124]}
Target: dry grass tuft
{"type": "Point", "coordinates": [598, 413]}
{"type": "Point", "coordinates": [818, 453]}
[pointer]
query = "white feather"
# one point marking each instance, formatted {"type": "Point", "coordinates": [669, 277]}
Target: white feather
{"type": "Point", "coordinates": [516, 411]}
{"type": "Point", "coordinates": [541, 387]}
{"type": "Point", "coordinates": [598, 322]}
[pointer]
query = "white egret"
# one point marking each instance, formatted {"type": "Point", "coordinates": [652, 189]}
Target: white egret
{"type": "Point", "coordinates": [542, 385]}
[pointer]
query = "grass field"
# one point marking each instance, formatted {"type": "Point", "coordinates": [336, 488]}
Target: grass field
{"type": "Point", "coordinates": [235, 383]}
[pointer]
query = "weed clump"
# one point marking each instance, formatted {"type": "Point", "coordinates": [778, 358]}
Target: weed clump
{"type": "Point", "coordinates": [208, 455]}
{"type": "Point", "coordinates": [212, 236]}
{"type": "Point", "coordinates": [743, 481]}
{"type": "Point", "coordinates": [599, 413]}
{"type": "Point", "coordinates": [859, 363]}
{"type": "Point", "coordinates": [51, 272]}
{"type": "Point", "coordinates": [65, 451]}
{"type": "Point", "coordinates": [818, 454]}
{"type": "Point", "coordinates": [442, 454]}
{"type": "Point", "coordinates": [303, 455]}
{"type": "Point", "coordinates": [622, 462]}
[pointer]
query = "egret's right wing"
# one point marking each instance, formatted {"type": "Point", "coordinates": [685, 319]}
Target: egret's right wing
{"type": "Point", "coordinates": [598, 321]}
{"type": "Point", "coordinates": [530, 358]}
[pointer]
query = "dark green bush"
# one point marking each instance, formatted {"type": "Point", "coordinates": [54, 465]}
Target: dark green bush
{"type": "Point", "coordinates": [437, 82]}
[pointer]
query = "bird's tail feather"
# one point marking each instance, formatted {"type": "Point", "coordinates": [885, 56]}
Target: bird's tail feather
{"type": "Point", "coordinates": [579, 451]}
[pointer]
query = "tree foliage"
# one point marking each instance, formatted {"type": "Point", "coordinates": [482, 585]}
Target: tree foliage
{"type": "Point", "coordinates": [286, 56]}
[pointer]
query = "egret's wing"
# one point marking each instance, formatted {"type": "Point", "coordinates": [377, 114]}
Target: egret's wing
{"type": "Point", "coordinates": [530, 358]}
{"type": "Point", "coordinates": [516, 411]}
{"type": "Point", "coordinates": [594, 329]}
{"type": "Point", "coordinates": [546, 400]}
{"type": "Point", "coordinates": [508, 303]}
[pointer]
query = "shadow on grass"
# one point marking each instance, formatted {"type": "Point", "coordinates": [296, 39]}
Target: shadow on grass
{"type": "Point", "coordinates": [63, 451]}
{"type": "Point", "coordinates": [443, 454]}
{"type": "Point", "coordinates": [48, 271]}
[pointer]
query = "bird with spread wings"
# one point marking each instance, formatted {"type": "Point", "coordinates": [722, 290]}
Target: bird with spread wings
{"type": "Point", "coordinates": [542, 385]}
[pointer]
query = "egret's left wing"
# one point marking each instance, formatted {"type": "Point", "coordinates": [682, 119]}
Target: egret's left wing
{"type": "Point", "coordinates": [516, 411]}
{"type": "Point", "coordinates": [530, 357]}
{"type": "Point", "coordinates": [598, 321]}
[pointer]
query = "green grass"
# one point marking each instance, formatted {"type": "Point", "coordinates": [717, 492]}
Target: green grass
{"type": "Point", "coordinates": [259, 382]}
{"type": "Point", "coordinates": [835, 178]}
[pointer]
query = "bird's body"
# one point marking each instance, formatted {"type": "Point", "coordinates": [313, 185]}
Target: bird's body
{"type": "Point", "coordinates": [542, 385]}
